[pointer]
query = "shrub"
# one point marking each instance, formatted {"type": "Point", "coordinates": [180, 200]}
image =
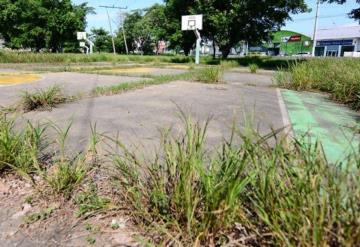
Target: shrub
{"type": "Point", "coordinates": [251, 194]}
{"type": "Point", "coordinates": [42, 99]}
{"type": "Point", "coordinates": [209, 75]}
{"type": "Point", "coordinates": [339, 77]}
{"type": "Point", "coordinates": [253, 68]}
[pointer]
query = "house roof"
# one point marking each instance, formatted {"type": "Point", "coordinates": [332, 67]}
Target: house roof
{"type": "Point", "coordinates": [339, 32]}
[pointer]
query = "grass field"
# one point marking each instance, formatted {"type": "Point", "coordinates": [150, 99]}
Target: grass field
{"type": "Point", "coordinates": [26, 57]}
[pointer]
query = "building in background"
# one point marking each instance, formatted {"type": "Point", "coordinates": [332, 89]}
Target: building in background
{"type": "Point", "coordinates": [289, 43]}
{"type": "Point", "coordinates": [338, 41]}
{"type": "Point", "coordinates": [284, 43]}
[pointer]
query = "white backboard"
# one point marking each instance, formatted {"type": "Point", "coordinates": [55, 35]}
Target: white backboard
{"type": "Point", "coordinates": [81, 35]}
{"type": "Point", "coordinates": [191, 22]}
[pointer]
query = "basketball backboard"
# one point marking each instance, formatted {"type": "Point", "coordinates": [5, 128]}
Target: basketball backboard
{"type": "Point", "coordinates": [191, 22]}
{"type": "Point", "coordinates": [81, 35]}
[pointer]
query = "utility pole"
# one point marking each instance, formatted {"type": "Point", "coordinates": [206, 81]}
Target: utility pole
{"type": "Point", "coordinates": [315, 26]}
{"type": "Point", "coordinates": [122, 19]}
{"type": "Point", "coordinates": [111, 32]}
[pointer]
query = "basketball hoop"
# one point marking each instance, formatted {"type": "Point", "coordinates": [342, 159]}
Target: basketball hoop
{"type": "Point", "coordinates": [193, 23]}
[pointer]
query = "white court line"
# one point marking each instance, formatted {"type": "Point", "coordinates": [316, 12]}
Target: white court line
{"type": "Point", "coordinates": [284, 114]}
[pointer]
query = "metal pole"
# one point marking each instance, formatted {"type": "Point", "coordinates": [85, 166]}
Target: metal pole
{"type": "Point", "coordinates": [315, 27]}
{"type": "Point", "coordinates": [198, 43]}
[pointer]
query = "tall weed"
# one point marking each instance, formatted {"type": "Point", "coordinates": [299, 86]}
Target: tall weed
{"type": "Point", "coordinates": [286, 194]}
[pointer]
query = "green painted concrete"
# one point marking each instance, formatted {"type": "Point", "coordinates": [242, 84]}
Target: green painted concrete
{"type": "Point", "coordinates": [314, 115]}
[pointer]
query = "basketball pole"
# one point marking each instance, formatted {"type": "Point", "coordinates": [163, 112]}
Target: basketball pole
{"type": "Point", "coordinates": [198, 44]}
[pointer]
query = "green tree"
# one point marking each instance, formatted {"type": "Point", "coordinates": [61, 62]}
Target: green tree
{"type": "Point", "coordinates": [101, 39]}
{"type": "Point", "coordinates": [174, 9]}
{"type": "Point", "coordinates": [39, 24]}
{"type": "Point", "coordinates": [130, 26]}
{"type": "Point", "coordinates": [155, 20]}
{"type": "Point", "coordinates": [229, 22]}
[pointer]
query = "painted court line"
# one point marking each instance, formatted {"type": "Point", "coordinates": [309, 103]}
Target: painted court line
{"type": "Point", "coordinates": [284, 114]}
{"type": "Point", "coordinates": [315, 116]}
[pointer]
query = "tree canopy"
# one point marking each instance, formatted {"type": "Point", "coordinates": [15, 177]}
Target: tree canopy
{"type": "Point", "coordinates": [101, 39]}
{"type": "Point", "coordinates": [232, 21]}
{"type": "Point", "coordinates": [38, 24]}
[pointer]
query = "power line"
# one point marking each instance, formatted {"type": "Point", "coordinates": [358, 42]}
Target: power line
{"type": "Point", "coordinates": [321, 17]}
{"type": "Point", "coordinates": [111, 32]}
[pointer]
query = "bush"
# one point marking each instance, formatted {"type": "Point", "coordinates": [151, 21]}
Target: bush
{"type": "Point", "coordinates": [339, 77]}
{"type": "Point", "coordinates": [42, 99]}
{"type": "Point", "coordinates": [209, 75]}
{"type": "Point", "coordinates": [252, 194]}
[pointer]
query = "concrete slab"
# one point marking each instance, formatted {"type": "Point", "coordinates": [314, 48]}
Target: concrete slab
{"type": "Point", "coordinates": [137, 116]}
{"type": "Point", "coordinates": [248, 79]}
{"type": "Point", "coordinates": [72, 83]}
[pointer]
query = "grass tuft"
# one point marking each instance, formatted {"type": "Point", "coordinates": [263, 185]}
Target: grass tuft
{"type": "Point", "coordinates": [253, 68]}
{"type": "Point", "coordinates": [20, 150]}
{"type": "Point", "coordinates": [209, 75]}
{"type": "Point", "coordinates": [42, 99]}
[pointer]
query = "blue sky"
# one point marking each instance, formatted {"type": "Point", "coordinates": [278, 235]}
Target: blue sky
{"type": "Point", "coordinates": [331, 15]}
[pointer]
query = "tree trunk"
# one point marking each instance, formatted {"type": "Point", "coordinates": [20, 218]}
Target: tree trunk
{"type": "Point", "coordinates": [187, 51]}
{"type": "Point", "coordinates": [225, 52]}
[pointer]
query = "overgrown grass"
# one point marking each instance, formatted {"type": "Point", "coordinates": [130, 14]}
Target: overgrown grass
{"type": "Point", "coordinates": [28, 57]}
{"type": "Point", "coordinates": [251, 194]}
{"type": "Point", "coordinates": [68, 172]}
{"type": "Point", "coordinates": [339, 77]}
{"type": "Point", "coordinates": [126, 86]}
{"type": "Point", "coordinates": [42, 99]}
{"type": "Point", "coordinates": [20, 149]}
{"type": "Point", "coordinates": [209, 75]}
{"type": "Point", "coordinates": [68, 58]}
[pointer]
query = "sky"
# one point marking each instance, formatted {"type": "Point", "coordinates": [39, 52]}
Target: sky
{"type": "Point", "coordinates": [330, 14]}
